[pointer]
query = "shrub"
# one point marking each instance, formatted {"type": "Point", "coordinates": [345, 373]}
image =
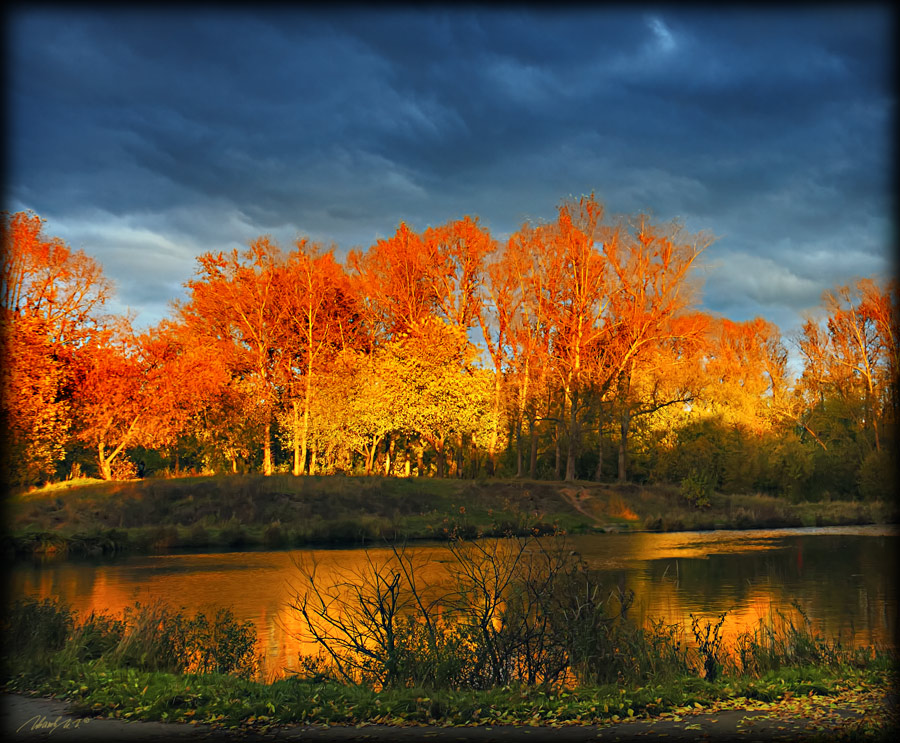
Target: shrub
{"type": "Point", "coordinates": [233, 534]}
{"type": "Point", "coordinates": [159, 639]}
{"type": "Point", "coordinates": [273, 536]}
{"type": "Point", "coordinates": [198, 536]}
{"type": "Point", "coordinates": [98, 635]}
{"type": "Point", "coordinates": [124, 468]}
{"type": "Point", "coordinates": [878, 476]}
{"type": "Point", "coordinates": [523, 611]}
{"type": "Point", "coordinates": [33, 628]}
{"type": "Point", "coordinates": [697, 488]}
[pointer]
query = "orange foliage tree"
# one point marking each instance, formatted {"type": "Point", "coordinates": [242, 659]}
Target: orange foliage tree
{"type": "Point", "coordinates": [851, 359]}
{"type": "Point", "coordinates": [236, 309]}
{"type": "Point", "coordinates": [652, 264]}
{"type": "Point", "coordinates": [394, 280]}
{"type": "Point", "coordinates": [51, 299]}
{"type": "Point", "coordinates": [321, 320]}
{"type": "Point", "coordinates": [115, 387]}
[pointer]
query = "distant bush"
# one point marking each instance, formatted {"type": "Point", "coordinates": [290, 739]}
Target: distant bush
{"type": "Point", "coordinates": [233, 534]}
{"type": "Point", "coordinates": [124, 468]}
{"type": "Point", "coordinates": [697, 488]}
{"type": "Point", "coordinates": [878, 476]}
{"type": "Point", "coordinates": [274, 536]}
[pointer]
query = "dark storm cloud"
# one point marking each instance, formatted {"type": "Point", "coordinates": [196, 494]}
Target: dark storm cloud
{"type": "Point", "coordinates": [147, 137]}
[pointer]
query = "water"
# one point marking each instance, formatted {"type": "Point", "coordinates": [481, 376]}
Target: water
{"type": "Point", "coordinates": [843, 578]}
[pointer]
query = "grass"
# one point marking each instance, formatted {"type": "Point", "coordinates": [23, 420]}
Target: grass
{"type": "Point", "coordinates": [252, 511]}
{"type": "Point", "coordinates": [111, 667]}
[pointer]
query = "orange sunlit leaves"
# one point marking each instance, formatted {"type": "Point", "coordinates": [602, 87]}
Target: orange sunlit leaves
{"type": "Point", "coordinates": [448, 350]}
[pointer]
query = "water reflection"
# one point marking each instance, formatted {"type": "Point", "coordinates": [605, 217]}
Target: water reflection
{"type": "Point", "coordinates": [843, 578]}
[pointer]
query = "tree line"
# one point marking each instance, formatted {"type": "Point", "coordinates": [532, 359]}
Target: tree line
{"type": "Point", "coordinates": [576, 349]}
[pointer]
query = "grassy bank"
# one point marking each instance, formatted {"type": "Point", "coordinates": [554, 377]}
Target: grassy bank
{"type": "Point", "coordinates": [104, 667]}
{"type": "Point", "coordinates": [248, 511]}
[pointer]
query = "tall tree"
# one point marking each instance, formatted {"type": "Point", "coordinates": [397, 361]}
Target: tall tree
{"type": "Point", "coordinates": [111, 392]}
{"type": "Point", "coordinates": [497, 315]}
{"type": "Point", "coordinates": [395, 276]}
{"type": "Point", "coordinates": [577, 313]}
{"type": "Point", "coordinates": [438, 394]}
{"type": "Point", "coordinates": [235, 308]}
{"type": "Point", "coordinates": [51, 302]}
{"type": "Point", "coordinates": [652, 264]}
{"type": "Point", "coordinates": [851, 356]}
{"type": "Point", "coordinates": [320, 316]}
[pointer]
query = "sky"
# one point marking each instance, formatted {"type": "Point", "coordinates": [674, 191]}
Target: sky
{"type": "Point", "coordinates": [146, 137]}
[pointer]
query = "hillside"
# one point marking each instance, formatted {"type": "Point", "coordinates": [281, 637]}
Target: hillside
{"type": "Point", "coordinates": [284, 511]}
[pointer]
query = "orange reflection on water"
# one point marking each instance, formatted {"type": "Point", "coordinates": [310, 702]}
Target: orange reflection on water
{"type": "Point", "coordinates": [672, 576]}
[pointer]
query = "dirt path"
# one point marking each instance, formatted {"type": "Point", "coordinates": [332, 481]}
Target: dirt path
{"type": "Point", "coordinates": [37, 719]}
{"type": "Point", "coordinates": [577, 499]}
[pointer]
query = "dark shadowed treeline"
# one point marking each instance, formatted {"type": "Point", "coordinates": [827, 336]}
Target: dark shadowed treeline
{"type": "Point", "coordinates": [576, 349]}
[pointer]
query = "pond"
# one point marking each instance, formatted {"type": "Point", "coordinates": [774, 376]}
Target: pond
{"type": "Point", "coordinates": [843, 579]}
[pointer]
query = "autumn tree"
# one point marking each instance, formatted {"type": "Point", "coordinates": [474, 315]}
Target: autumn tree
{"type": "Point", "coordinates": [321, 320]}
{"type": "Point", "coordinates": [457, 252]}
{"type": "Point", "coordinates": [851, 357]}
{"type": "Point", "coordinates": [498, 315]}
{"type": "Point", "coordinates": [582, 282]}
{"type": "Point", "coordinates": [36, 413]}
{"type": "Point", "coordinates": [526, 288]}
{"type": "Point", "coordinates": [747, 373]}
{"type": "Point", "coordinates": [394, 281]}
{"type": "Point", "coordinates": [848, 387]}
{"type": "Point", "coordinates": [236, 309]}
{"type": "Point", "coordinates": [652, 264]}
{"type": "Point", "coordinates": [112, 389]}
{"type": "Point", "coordinates": [438, 396]}
{"type": "Point", "coordinates": [188, 384]}
{"type": "Point", "coordinates": [51, 299]}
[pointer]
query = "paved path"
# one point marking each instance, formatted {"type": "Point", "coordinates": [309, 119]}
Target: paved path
{"type": "Point", "coordinates": [36, 719]}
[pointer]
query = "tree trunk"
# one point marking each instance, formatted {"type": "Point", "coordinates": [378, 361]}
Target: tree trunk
{"type": "Point", "coordinates": [557, 465]}
{"type": "Point", "coordinates": [370, 456]}
{"type": "Point", "coordinates": [312, 460]}
{"type": "Point", "coordinates": [389, 455]}
{"type": "Point", "coordinates": [519, 447]}
{"type": "Point", "coordinates": [104, 464]}
{"type": "Point", "coordinates": [623, 443]}
{"type": "Point", "coordinates": [523, 397]}
{"type": "Point", "coordinates": [459, 455]}
{"type": "Point", "coordinates": [267, 449]}
{"type": "Point", "coordinates": [440, 459]}
{"type": "Point", "coordinates": [598, 474]}
{"type": "Point", "coordinates": [297, 469]}
{"type": "Point", "coordinates": [532, 461]}
{"type": "Point", "coordinates": [491, 462]}
{"type": "Point", "coordinates": [304, 428]}
{"type": "Point", "coordinates": [420, 460]}
{"type": "Point", "coordinates": [572, 443]}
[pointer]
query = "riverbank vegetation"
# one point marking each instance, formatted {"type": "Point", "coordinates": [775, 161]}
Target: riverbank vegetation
{"type": "Point", "coordinates": [527, 636]}
{"type": "Point", "coordinates": [575, 350]}
{"type": "Point", "coordinates": [282, 511]}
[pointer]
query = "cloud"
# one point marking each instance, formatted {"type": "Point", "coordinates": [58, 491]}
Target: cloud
{"type": "Point", "coordinates": [665, 41]}
{"type": "Point", "coordinates": [141, 136]}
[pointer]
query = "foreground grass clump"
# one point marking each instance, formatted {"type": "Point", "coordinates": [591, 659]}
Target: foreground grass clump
{"type": "Point", "coordinates": [42, 639]}
{"type": "Point", "coordinates": [127, 669]}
